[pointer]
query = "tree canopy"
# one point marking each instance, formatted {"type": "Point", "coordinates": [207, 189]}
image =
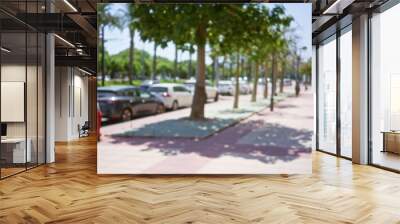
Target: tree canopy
{"type": "Point", "coordinates": [228, 28]}
{"type": "Point", "coordinates": [240, 32]}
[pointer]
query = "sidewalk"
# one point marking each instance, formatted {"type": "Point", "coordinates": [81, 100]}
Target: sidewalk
{"type": "Point", "coordinates": [277, 142]}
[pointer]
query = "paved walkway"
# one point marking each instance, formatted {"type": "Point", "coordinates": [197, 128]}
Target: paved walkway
{"type": "Point", "coordinates": [266, 143]}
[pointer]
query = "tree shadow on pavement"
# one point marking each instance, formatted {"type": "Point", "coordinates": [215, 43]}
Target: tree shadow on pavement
{"type": "Point", "coordinates": [252, 140]}
{"type": "Point", "coordinates": [183, 128]}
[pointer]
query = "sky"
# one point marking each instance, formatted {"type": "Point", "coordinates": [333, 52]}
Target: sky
{"type": "Point", "coordinates": [118, 40]}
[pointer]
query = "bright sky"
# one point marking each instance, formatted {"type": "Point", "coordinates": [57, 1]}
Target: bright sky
{"type": "Point", "coordinates": [118, 40]}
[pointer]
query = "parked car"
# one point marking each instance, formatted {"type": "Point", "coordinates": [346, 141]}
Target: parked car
{"type": "Point", "coordinates": [211, 91]}
{"type": "Point", "coordinates": [245, 88]}
{"type": "Point", "coordinates": [99, 118]}
{"type": "Point", "coordinates": [126, 102]}
{"type": "Point", "coordinates": [146, 84]}
{"type": "Point", "coordinates": [173, 95]}
{"type": "Point", "coordinates": [226, 87]}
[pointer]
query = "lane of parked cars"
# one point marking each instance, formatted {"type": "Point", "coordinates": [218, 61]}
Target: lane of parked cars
{"type": "Point", "coordinates": [123, 103]}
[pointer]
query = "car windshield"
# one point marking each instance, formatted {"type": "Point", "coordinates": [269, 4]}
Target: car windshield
{"type": "Point", "coordinates": [103, 93]}
{"type": "Point", "coordinates": [158, 89]}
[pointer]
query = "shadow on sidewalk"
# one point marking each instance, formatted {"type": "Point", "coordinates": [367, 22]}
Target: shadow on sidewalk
{"type": "Point", "coordinates": [253, 140]}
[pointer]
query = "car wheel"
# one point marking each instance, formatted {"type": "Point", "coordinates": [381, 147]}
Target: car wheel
{"type": "Point", "coordinates": [126, 115]}
{"type": "Point", "coordinates": [160, 109]}
{"type": "Point", "coordinates": [175, 105]}
{"type": "Point", "coordinates": [216, 97]}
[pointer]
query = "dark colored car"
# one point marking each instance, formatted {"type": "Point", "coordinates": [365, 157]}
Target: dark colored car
{"type": "Point", "coordinates": [126, 102]}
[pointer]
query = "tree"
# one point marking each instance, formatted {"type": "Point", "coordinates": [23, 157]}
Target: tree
{"type": "Point", "coordinates": [259, 46]}
{"type": "Point", "coordinates": [266, 74]}
{"type": "Point", "coordinates": [130, 15]}
{"type": "Point", "coordinates": [305, 69]}
{"type": "Point", "coordinates": [200, 24]}
{"type": "Point", "coordinates": [298, 61]}
{"type": "Point", "coordinates": [238, 41]}
{"type": "Point", "coordinates": [267, 40]}
{"type": "Point", "coordinates": [154, 70]}
{"type": "Point", "coordinates": [191, 51]}
{"type": "Point", "coordinates": [176, 61]}
{"type": "Point", "coordinates": [105, 19]}
{"type": "Point", "coordinates": [278, 43]}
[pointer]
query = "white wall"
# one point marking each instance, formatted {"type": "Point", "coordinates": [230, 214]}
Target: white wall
{"type": "Point", "coordinates": [71, 102]}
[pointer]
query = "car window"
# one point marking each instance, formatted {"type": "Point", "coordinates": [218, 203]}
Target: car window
{"type": "Point", "coordinates": [123, 92]}
{"type": "Point", "coordinates": [145, 95]}
{"type": "Point", "coordinates": [180, 89]}
{"type": "Point", "coordinates": [131, 92]}
{"type": "Point", "coordinates": [103, 93]}
{"type": "Point", "coordinates": [158, 89]}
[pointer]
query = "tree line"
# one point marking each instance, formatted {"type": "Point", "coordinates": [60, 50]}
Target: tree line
{"type": "Point", "coordinates": [253, 38]}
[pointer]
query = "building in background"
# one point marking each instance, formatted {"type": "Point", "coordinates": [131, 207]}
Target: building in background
{"type": "Point", "coordinates": [48, 78]}
{"type": "Point", "coordinates": [357, 77]}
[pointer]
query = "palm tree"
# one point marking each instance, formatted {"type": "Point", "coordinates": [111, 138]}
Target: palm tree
{"type": "Point", "coordinates": [154, 72]}
{"type": "Point", "coordinates": [130, 20]}
{"type": "Point", "coordinates": [191, 51]}
{"type": "Point", "coordinates": [105, 19]}
{"type": "Point", "coordinates": [175, 62]}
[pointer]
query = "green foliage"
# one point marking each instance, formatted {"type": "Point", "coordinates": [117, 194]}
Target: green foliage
{"type": "Point", "coordinates": [249, 32]}
{"type": "Point", "coordinates": [120, 83]}
{"type": "Point", "coordinates": [305, 68]}
{"type": "Point", "coordinates": [117, 66]}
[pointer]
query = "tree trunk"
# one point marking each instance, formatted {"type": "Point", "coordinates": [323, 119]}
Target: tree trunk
{"type": "Point", "coordinates": [249, 70]}
{"type": "Point", "coordinates": [103, 72]}
{"type": "Point", "coordinates": [223, 67]}
{"type": "Point", "coordinates": [273, 84]}
{"type": "Point", "coordinates": [217, 73]}
{"type": "Point", "coordinates": [297, 86]}
{"type": "Point", "coordinates": [190, 61]}
{"type": "Point", "coordinates": [282, 76]}
{"type": "Point", "coordinates": [175, 62]}
{"type": "Point", "coordinates": [266, 74]}
{"type": "Point", "coordinates": [255, 83]}
{"type": "Point", "coordinates": [213, 70]}
{"type": "Point", "coordinates": [154, 72]}
{"type": "Point", "coordinates": [143, 72]}
{"type": "Point", "coordinates": [199, 98]}
{"type": "Point", "coordinates": [237, 87]}
{"type": "Point", "coordinates": [242, 65]}
{"type": "Point", "coordinates": [131, 56]}
{"type": "Point", "coordinates": [231, 67]}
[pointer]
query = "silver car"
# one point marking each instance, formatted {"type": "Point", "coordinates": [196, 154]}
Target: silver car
{"type": "Point", "coordinates": [173, 95]}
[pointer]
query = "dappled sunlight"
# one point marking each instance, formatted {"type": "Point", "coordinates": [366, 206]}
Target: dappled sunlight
{"type": "Point", "coordinates": [236, 111]}
{"type": "Point", "coordinates": [278, 135]}
{"type": "Point", "coordinates": [253, 140]}
{"type": "Point", "coordinates": [179, 128]}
